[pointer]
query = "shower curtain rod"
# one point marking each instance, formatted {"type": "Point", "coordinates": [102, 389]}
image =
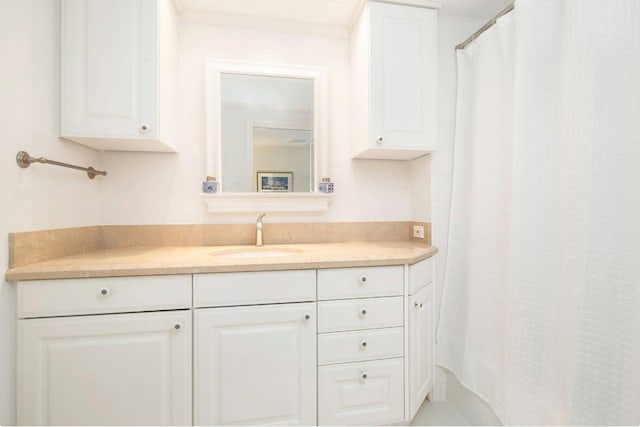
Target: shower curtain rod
{"type": "Point", "coordinates": [485, 27]}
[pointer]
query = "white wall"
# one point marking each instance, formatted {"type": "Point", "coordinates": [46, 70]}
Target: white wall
{"type": "Point", "coordinates": [41, 196]}
{"type": "Point", "coordinates": [420, 170]}
{"type": "Point", "coordinates": [452, 30]}
{"type": "Point", "coordinates": [164, 188]}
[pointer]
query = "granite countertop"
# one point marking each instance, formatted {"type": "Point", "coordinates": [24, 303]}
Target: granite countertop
{"type": "Point", "coordinates": [146, 261]}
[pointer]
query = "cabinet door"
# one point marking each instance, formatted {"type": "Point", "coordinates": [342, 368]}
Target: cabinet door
{"type": "Point", "coordinates": [109, 73]}
{"type": "Point", "coordinates": [403, 77]}
{"type": "Point", "coordinates": [255, 365]}
{"type": "Point", "coordinates": [120, 369]}
{"type": "Point", "coordinates": [361, 393]}
{"type": "Point", "coordinates": [421, 347]}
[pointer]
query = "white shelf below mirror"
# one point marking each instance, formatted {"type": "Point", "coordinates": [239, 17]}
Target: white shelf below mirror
{"type": "Point", "coordinates": [261, 202]}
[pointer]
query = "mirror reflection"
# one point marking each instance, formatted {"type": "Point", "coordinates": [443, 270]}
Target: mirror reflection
{"type": "Point", "coordinates": [267, 133]}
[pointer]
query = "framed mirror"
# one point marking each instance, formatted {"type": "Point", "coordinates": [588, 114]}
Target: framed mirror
{"type": "Point", "coordinates": [266, 129]}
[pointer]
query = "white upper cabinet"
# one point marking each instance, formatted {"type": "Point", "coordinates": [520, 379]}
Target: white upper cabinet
{"type": "Point", "coordinates": [119, 74]}
{"type": "Point", "coordinates": [394, 82]}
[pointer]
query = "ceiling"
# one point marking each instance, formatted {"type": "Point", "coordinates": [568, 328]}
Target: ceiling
{"type": "Point", "coordinates": [486, 9]}
{"type": "Point", "coordinates": [337, 13]}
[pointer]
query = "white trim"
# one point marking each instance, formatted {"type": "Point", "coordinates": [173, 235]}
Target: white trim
{"type": "Point", "coordinates": [214, 68]}
{"type": "Point", "coordinates": [429, 4]}
{"type": "Point", "coordinates": [261, 23]}
{"type": "Point", "coordinates": [266, 202]}
{"type": "Point", "coordinates": [407, 354]}
{"type": "Point", "coordinates": [179, 6]}
{"type": "Point", "coordinates": [249, 134]}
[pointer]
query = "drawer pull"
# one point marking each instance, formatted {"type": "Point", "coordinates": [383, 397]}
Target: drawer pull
{"type": "Point", "coordinates": [364, 375]}
{"type": "Point", "coordinates": [105, 291]}
{"type": "Point", "coordinates": [177, 326]}
{"type": "Point", "coordinates": [416, 305]}
{"type": "Point", "coordinates": [363, 344]}
{"type": "Point", "coordinates": [363, 311]}
{"type": "Point", "coordinates": [307, 316]}
{"type": "Point", "coordinates": [363, 280]}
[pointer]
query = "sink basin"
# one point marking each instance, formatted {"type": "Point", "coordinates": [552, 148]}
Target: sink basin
{"type": "Point", "coordinates": [256, 253]}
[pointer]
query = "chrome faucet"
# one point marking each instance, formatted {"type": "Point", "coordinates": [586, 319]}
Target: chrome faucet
{"type": "Point", "coordinates": [259, 239]}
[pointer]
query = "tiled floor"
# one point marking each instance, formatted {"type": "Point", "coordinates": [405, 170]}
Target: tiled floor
{"type": "Point", "coordinates": [438, 414]}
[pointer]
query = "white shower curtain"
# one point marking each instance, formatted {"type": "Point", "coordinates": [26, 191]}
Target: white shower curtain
{"type": "Point", "coordinates": [540, 310]}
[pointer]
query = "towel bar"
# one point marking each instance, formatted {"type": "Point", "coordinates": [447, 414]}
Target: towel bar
{"type": "Point", "coordinates": [23, 159]}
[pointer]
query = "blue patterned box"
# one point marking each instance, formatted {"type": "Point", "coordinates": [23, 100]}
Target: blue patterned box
{"type": "Point", "coordinates": [210, 185]}
{"type": "Point", "coordinates": [326, 186]}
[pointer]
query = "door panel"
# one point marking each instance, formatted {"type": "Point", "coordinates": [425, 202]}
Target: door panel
{"type": "Point", "coordinates": [124, 369]}
{"type": "Point", "coordinates": [256, 365]}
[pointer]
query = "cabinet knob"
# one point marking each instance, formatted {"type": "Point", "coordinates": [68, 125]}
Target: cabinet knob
{"type": "Point", "coordinates": [363, 344]}
{"type": "Point", "coordinates": [144, 128]}
{"type": "Point", "coordinates": [363, 311]}
{"type": "Point", "coordinates": [364, 375]}
{"type": "Point", "coordinates": [307, 316]}
{"type": "Point", "coordinates": [177, 326]}
{"type": "Point", "coordinates": [105, 291]}
{"type": "Point", "coordinates": [363, 279]}
{"type": "Point", "coordinates": [379, 140]}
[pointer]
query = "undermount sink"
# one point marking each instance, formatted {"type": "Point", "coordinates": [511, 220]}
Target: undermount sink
{"type": "Point", "coordinates": [255, 253]}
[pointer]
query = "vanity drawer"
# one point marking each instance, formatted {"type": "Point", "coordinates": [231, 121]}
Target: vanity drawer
{"type": "Point", "coordinates": [370, 344]}
{"type": "Point", "coordinates": [355, 314]}
{"type": "Point", "coordinates": [43, 298]}
{"type": "Point", "coordinates": [420, 275]}
{"type": "Point", "coordinates": [361, 393]}
{"type": "Point", "coordinates": [256, 287]}
{"type": "Point", "coordinates": [359, 282]}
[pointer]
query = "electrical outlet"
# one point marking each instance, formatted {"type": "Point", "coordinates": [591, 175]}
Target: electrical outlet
{"type": "Point", "coordinates": [418, 231]}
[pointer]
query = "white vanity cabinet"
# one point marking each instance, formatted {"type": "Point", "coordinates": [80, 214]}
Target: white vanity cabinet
{"type": "Point", "coordinates": [119, 74]}
{"type": "Point", "coordinates": [360, 346]}
{"type": "Point", "coordinates": [421, 356]}
{"type": "Point", "coordinates": [335, 346]}
{"type": "Point", "coordinates": [255, 361]}
{"type": "Point", "coordinates": [394, 82]}
{"type": "Point", "coordinates": [113, 367]}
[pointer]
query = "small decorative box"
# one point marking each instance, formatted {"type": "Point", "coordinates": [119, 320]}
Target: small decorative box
{"type": "Point", "coordinates": [326, 186]}
{"type": "Point", "coordinates": [210, 185]}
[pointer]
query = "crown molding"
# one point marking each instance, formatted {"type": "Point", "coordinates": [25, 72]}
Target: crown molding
{"type": "Point", "coordinates": [429, 4]}
{"type": "Point", "coordinates": [179, 6]}
{"type": "Point", "coordinates": [259, 23]}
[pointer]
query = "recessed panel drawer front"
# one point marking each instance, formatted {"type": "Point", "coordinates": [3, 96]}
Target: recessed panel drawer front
{"type": "Point", "coordinates": [356, 314]}
{"type": "Point", "coordinates": [361, 393]}
{"type": "Point", "coordinates": [256, 287]}
{"type": "Point", "coordinates": [337, 283]}
{"type": "Point", "coordinates": [63, 297]}
{"type": "Point", "coordinates": [370, 344]}
{"type": "Point", "coordinates": [420, 275]}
